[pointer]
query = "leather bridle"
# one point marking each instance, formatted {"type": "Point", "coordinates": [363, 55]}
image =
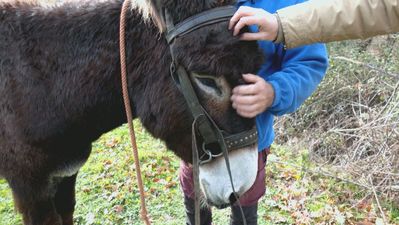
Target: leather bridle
{"type": "Point", "coordinates": [205, 132]}
{"type": "Point", "coordinates": [207, 128]}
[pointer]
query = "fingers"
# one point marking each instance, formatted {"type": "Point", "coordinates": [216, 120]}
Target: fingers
{"type": "Point", "coordinates": [242, 11]}
{"type": "Point", "coordinates": [244, 99]}
{"type": "Point", "coordinates": [251, 36]}
{"type": "Point", "coordinates": [251, 78]}
{"type": "Point", "coordinates": [247, 113]}
{"type": "Point", "coordinates": [248, 110]}
{"type": "Point", "coordinates": [245, 16]}
{"type": "Point", "coordinates": [266, 22]}
{"type": "Point", "coordinates": [253, 98]}
{"type": "Point", "coordinates": [243, 22]}
{"type": "Point", "coordinates": [248, 89]}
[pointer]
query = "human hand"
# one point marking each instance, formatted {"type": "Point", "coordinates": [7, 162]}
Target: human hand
{"type": "Point", "coordinates": [245, 16]}
{"type": "Point", "coordinates": [253, 98]}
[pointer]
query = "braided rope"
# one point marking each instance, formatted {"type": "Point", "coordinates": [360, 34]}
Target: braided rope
{"type": "Point", "coordinates": [143, 211]}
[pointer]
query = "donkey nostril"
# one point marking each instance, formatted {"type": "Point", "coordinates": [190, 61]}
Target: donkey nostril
{"type": "Point", "coordinates": [233, 198]}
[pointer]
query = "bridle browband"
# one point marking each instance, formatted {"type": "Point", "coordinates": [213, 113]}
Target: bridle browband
{"type": "Point", "coordinates": [212, 16]}
{"type": "Point", "coordinates": [205, 132]}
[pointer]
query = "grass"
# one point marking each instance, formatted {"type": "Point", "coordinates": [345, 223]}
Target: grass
{"type": "Point", "coordinates": [107, 191]}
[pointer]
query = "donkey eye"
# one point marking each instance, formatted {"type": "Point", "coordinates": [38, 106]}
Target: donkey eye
{"type": "Point", "coordinates": [207, 82]}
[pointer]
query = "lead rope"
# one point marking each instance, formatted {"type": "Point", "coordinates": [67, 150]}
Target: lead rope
{"type": "Point", "coordinates": [197, 220]}
{"type": "Point", "coordinates": [143, 211]}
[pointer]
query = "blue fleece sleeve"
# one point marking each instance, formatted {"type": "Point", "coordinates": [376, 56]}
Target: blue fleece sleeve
{"type": "Point", "coordinates": [302, 69]}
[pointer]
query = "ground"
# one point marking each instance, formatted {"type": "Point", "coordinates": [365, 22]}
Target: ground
{"type": "Point", "coordinates": [297, 191]}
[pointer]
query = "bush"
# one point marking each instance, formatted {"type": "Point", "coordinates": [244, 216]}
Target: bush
{"type": "Point", "coordinates": [351, 122]}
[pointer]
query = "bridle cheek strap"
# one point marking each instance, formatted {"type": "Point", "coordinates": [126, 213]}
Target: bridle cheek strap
{"type": "Point", "coordinates": [208, 132]}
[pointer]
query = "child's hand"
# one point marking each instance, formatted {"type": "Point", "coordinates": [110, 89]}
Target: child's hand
{"type": "Point", "coordinates": [245, 16]}
{"type": "Point", "coordinates": [253, 98]}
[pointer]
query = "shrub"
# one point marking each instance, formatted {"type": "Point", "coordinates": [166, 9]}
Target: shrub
{"type": "Point", "coordinates": [351, 122]}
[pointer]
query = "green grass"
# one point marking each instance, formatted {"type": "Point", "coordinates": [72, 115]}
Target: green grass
{"type": "Point", "coordinates": [107, 191]}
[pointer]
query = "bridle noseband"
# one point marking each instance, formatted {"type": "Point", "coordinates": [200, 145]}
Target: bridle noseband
{"type": "Point", "coordinates": [205, 132]}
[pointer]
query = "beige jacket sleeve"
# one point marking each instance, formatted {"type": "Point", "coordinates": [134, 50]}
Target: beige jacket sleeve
{"type": "Point", "coordinates": [335, 20]}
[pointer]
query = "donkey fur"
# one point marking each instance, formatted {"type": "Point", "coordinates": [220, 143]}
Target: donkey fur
{"type": "Point", "coordinates": [60, 90]}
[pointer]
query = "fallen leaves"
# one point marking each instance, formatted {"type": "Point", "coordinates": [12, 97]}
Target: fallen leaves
{"type": "Point", "coordinates": [294, 196]}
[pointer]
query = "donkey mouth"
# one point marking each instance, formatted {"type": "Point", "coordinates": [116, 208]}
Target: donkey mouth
{"type": "Point", "coordinates": [215, 180]}
{"type": "Point", "coordinates": [233, 199]}
{"type": "Point", "coordinates": [222, 206]}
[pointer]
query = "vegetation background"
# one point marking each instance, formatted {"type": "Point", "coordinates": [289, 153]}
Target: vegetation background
{"type": "Point", "coordinates": [335, 161]}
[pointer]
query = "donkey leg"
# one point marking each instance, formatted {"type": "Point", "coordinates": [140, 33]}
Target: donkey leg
{"type": "Point", "coordinates": [35, 202]}
{"type": "Point", "coordinates": [65, 199]}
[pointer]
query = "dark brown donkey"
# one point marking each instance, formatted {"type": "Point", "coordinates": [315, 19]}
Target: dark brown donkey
{"type": "Point", "coordinates": [60, 90]}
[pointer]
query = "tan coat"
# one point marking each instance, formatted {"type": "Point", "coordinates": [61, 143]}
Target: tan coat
{"type": "Point", "coordinates": [334, 20]}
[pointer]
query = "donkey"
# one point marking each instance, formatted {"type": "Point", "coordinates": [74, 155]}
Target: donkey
{"type": "Point", "coordinates": [60, 90]}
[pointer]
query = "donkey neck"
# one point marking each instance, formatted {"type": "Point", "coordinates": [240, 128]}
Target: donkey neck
{"type": "Point", "coordinates": [147, 62]}
{"type": "Point", "coordinates": [81, 97]}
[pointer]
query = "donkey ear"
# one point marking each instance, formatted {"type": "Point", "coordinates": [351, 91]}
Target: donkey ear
{"type": "Point", "coordinates": [156, 13]}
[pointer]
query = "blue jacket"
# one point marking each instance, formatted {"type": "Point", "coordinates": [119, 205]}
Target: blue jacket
{"type": "Point", "coordinates": [294, 73]}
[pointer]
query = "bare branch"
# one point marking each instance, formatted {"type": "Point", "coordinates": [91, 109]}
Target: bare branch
{"type": "Point", "coordinates": [394, 75]}
{"type": "Point", "coordinates": [378, 201]}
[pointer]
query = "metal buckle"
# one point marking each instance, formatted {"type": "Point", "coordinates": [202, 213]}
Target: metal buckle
{"type": "Point", "coordinates": [209, 154]}
{"type": "Point", "coordinates": [233, 142]}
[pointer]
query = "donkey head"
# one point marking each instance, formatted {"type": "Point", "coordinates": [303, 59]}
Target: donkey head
{"type": "Point", "coordinates": [215, 60]}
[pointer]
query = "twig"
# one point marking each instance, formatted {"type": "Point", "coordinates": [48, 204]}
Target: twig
{"type": "Point", "coordinates": [378, 201]}
{"type": "Point", "coordinates": [394, 188]}
{"type": "Point", "coordinates": [394, 75]}
{"type": "Point", "coordinates": [319, 171]}
{"type": "Point", "coordinates": [367, 127]}
{"type": "Point", "coordinates": [389, 100]}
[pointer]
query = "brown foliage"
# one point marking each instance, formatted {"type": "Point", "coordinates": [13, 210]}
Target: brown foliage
{"type": "Point", "coordinates": [352, 121]}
